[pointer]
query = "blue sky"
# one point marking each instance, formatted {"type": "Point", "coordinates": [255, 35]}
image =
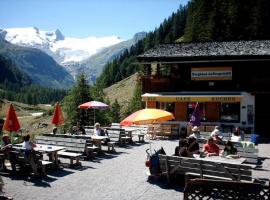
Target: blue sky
{"type": "Point", "coordinates": [82, 18]}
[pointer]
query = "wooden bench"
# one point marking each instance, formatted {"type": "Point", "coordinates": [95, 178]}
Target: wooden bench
{"type": "Point", "coordinates": [74, 148]}
{"type": "Point", "coordinates": [118, 135]}
{"type": "Point", "coordinates": [221, 189]}
{"type": "Point", "coordinates": [19, 159]}
{"type": "Point", "coordinates": [172, 165]}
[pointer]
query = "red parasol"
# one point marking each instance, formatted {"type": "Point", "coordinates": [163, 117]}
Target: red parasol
{"type": "Point", "coordinates": [11, 122]}
{"type": "Point", "coordinates": [58, 117]}
{"type": "Point", "coordinates": [94, 105]}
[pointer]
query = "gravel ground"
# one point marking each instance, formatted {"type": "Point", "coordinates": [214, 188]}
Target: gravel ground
{"type": "Point", "coordinates": [121, 175]}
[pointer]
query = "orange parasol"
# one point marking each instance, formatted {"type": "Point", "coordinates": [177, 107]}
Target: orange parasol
{"type": "Point", "coordinates": [11, 122]}
{"type": "Point", "coordinates": [58, 118]}
{"type": "Point", "coordinates": [147, 116]}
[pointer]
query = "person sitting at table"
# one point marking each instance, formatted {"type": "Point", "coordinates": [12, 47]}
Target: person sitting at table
{"type": "Point", "coordinates": [195, 132]}
{"type": "Point", "coordinates": [78, 129]}
{"type": "Point", "coordinates": [217, 135]}
{"type": "Point", "coordinates": [238, 135]}
{"type": "Point", "coordinates": [193, 146]}
{"type": "Point", "coordinates": [182, 145]}
{"type": "Point", "coordinates": [210, 148]}
{"type": "Point", "coordinates": [5, 149]}
{"type": "Point", "coordinates": [99, 131]}
{"type": "Point", "coordinates": [29, 153]}
{"type": "Point", "coordinates": [229, 150]}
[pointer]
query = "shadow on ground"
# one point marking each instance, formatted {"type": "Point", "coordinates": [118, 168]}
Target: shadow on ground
{"type": "Point", "coordinates": [177, 184]}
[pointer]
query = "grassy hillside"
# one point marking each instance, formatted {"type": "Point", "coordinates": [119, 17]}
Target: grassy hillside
{"type": "Point", "coordinates": [26, 116]}
{"type": "Point", "coordinates": [122, 91]}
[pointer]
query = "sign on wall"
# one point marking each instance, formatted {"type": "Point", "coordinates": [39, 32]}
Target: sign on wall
{"type": "Point", "coordinates": [211, 73]}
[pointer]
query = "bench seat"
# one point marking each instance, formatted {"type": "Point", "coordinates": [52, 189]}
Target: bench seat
{"type": "Point", "coordinates": [171, 165]}
{"type": "Point", "coordinates": [71, 155]}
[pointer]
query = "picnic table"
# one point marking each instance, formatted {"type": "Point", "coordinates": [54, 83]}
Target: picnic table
{"type": "Point", "coordinates": [219, 159]}
{"type": "Point", "coordinates": [43, 148]}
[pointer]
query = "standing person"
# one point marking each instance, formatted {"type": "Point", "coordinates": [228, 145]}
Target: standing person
{"type": "Point", "coordinates": [29, 153]}
{"type": "Point", "coordinates": [210, 148]}
{"type": "Point", "coordinates": [5, 149]}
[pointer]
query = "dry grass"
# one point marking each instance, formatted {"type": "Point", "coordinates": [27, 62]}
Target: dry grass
{"type": "Point", "coordinates": [26, 119]}
{"type": "Point", "coordinates": [122, 91]}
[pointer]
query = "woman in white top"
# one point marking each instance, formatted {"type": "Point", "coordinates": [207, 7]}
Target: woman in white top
{"type": "Point", "coordinates": [28, 145]}
{"type": "Point", "coordinates": [99, 131]}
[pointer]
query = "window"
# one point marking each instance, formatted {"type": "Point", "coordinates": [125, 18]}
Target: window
{"type": "Point", "coordinates": [230, 112]}
{"type": "Point", "coordinates": [166, 106]}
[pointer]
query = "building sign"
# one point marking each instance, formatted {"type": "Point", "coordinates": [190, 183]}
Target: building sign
{"type": "Point", "coordinates": [224, 99]}
{"type": "Point", "coordinates": [211, 73]}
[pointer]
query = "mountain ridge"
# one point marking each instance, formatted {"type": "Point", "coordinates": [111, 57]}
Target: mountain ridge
{"type": "Point", "coordinates": [41, 68]}
{"type": "Point", "coordinates": [76, 55]}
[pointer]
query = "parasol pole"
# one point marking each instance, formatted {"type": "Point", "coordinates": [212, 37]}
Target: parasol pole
{"type": "Point", "coordinates": [94, 117]}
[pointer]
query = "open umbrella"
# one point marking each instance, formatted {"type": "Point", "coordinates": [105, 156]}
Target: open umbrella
{"type": "Point", "coordinates": [11, 123]}
{"type": "Point", "coordinates": [147, 116]}
{"type": "Point", "coordinates": [58, 118]}
{"type": "Point", "coordinates": [94, 105]}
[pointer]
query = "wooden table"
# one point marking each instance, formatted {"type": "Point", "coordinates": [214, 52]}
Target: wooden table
{"type": "Point", "coordinates": [43, 148]}
{"type": "Point", "coordinates": [219, 159]}
{"type": "Point", "coordinates": [97, 139]}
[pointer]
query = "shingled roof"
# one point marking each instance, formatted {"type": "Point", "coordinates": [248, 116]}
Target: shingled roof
{"type": "Point", "coordinates": [209, 50]}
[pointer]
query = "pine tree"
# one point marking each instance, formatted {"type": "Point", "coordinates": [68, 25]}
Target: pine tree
{"type": "Point", "coordinates": [115, 111]}
{"type": "Point", "coordinates": [79, 94]}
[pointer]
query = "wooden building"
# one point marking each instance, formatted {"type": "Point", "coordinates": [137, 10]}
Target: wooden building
{"type": "Point", "coordinates": [230, 80]}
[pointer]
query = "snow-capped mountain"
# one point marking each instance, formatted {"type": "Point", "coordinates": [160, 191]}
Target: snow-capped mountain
{"type": "Point", "coordinates": [76, 55]}
{"type": "Point", "coordinates": [62, 49]}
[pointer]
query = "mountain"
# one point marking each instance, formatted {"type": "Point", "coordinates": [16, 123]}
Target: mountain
{"type": "Point", "coordinates": [76, 55]}
{"type": "Point", "coordinates": [94, 65]}
{"type": "Point", "coordinates": [66, 51]}
{"type": "Point", "coordinates": [11, 76]}
{"type": "Point", "coordinates": [41, 68]}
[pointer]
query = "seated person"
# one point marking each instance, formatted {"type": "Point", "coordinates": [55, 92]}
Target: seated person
{"type": "Point", "coordinates": [217, 135]}
{"type": "Point", "coordinates": [78, 129]}
{"type": "Point", "coordinates": [182, 144]}
{"type": "Point", "coordinates": [99, 131]}
{"type": "Point", "coordinates": [29, 154]}
{"type": "Point", "coordinates": [210, 148]}
{"type": "Point", "coordinates": [195, 132]}
{"type": "Point", "coordinates": [6, 148]}
{"type": "Point", "coordinates": [54, 131]}
{"type": "Point", "coordinates": [193, 146]}
{"type": "Point", "coordinates": [229, 150]}
{"type": "Point", "coordinates": [238, 135]}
